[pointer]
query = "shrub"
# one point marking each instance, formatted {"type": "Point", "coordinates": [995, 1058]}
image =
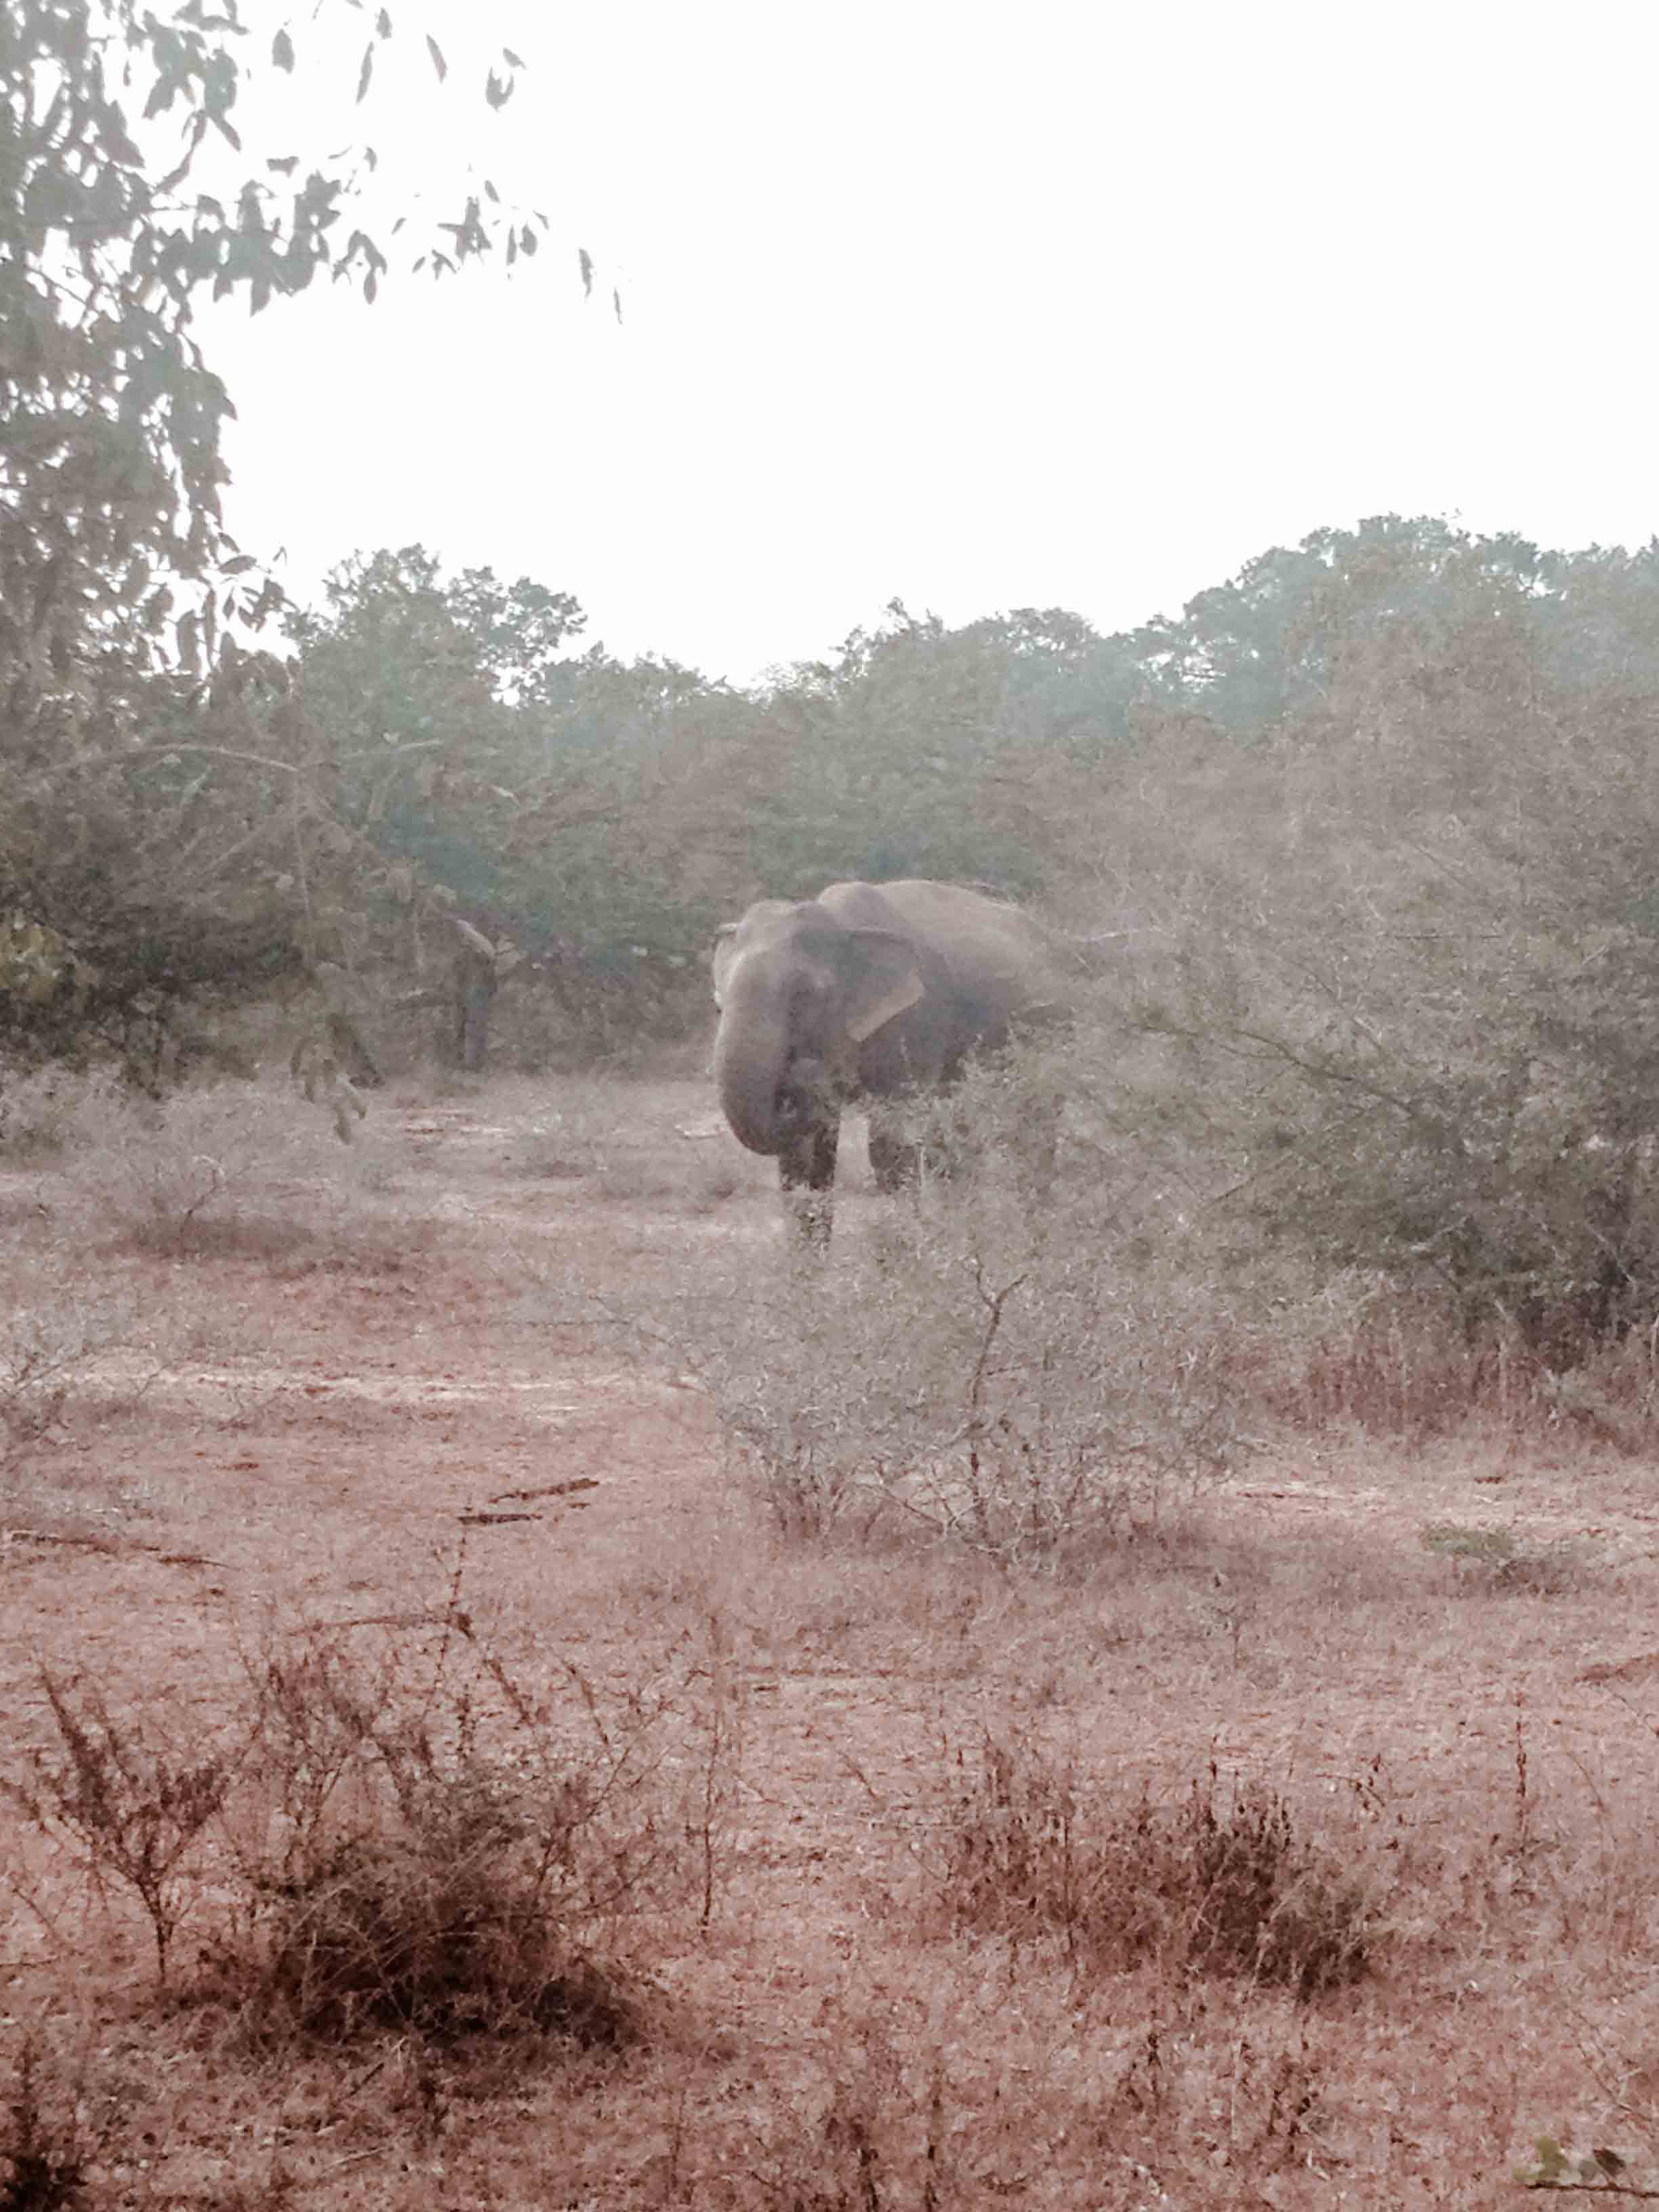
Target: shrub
{"type": "Point", "coordinates": [1020, 1370]}
{"type": "Point", "coordinates": [43, 2154]}
{"type": "Point", "coordinates": [438, 1858]}
{"type": "Point", "coordinates": [417, 1844]}
{"type": "Point", "coordinates": [1497, 1558]}
{"type": "Point", "coordinates": [230, 1168]}
{"type": "Point", "coordinates": [35, 1108]}
{"type": "Point", "coordinates": [132, 1805]}
{"type": "Point", "coordinates": [439, 1924]}
{"type": "Point", "coordinates": [44, 1344]}
{"type": "Point", "coordinates": [1220, 1884]}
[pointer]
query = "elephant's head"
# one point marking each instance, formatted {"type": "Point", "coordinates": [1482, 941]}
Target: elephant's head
{"type": "Point", "coordinates": [800, 995]}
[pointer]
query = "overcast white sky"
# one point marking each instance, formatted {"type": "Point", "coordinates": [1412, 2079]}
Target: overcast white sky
{"type": "Point", "coordinates": [983, 307]}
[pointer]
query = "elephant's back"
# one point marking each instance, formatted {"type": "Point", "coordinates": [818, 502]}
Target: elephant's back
{"type": "Point", "coordinates": [996, 955]}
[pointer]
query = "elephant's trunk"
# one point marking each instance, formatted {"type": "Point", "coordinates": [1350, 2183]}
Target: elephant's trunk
{"type": "Point", "coordinates": [751, 1061]}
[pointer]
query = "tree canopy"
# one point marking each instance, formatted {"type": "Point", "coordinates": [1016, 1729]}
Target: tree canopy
{"type": "Point", "coordinates": [111, 471]}
{"type": "Point", "coordinates": [139, 737]}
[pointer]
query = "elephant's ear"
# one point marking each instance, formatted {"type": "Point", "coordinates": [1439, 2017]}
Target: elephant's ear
{"type": "Point", "coordinates": [724, 953]}
{"type": "Point", "coordinates": [882, 979]}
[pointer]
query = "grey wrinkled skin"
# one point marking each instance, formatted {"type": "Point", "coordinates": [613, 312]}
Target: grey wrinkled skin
{"type": "Point", "coordinates": [867, 994]}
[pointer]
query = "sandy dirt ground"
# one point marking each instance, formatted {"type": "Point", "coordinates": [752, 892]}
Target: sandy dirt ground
{"type": "Point", "coordinates": [351, 1444]}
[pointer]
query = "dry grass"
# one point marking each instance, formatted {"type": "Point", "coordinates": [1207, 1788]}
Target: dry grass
{"type": "Point", "coordinates": [230, 1171]}
{"type": "Point", "coordinates": [1371, 1355]}
{"type": "Point", "coordinates": [52, 1334]}
{"type": "Point", "coordinates": [1280, 1837]}
{"type": "Point", "coordinates": [1219, 1882]}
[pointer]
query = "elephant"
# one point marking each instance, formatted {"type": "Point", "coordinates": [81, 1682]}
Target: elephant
{"type": "Point", "coordinates": [868, 993]}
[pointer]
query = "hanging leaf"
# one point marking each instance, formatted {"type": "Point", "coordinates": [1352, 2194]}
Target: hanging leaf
{"type": "Point", "coordinates": [585, 262]}
{"type": "Point", "coordinates": [367, 70]}
{"type": "Point", "coordinates": [281, 51]}
{"type": "Point", "coordinates": [437, 54]}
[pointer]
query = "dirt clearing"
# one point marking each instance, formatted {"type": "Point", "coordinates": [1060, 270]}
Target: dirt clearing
{"type": "Point", "coordinates": [853, 1809]}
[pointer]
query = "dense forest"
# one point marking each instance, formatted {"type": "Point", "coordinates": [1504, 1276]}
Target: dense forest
{"type": "Point", "coordinates": [1356, 848]}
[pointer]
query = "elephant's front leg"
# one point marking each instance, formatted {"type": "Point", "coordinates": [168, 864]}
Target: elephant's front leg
{"type": "Point", "coordinates": [895, 1158]}
{"type": "Point", "coordinates": [806, 1168]}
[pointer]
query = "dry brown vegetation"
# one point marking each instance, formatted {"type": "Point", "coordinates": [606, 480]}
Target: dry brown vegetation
{"type": "Point", "coordinates": [523, 1690]}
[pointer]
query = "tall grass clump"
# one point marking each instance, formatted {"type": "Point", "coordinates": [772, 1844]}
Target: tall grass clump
{"type": "Point", "coordinates": [1222, 1882]}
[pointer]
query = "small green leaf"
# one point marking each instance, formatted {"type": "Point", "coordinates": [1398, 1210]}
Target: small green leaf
{"type": "Point", "coordinates": [437, 54]}
{"type": "Point", "coordinates": [281, 51]}
{"type": "Point", "coordinates": [367, 70]}
{"type": "Point", "coordinates": [1551, 2160]}
{"type": "Point", "coordinates": [512, 60]}
{"type": "Point", "coordinates": [585, 262]}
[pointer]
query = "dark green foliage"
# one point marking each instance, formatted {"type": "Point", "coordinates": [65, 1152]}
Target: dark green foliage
{"type": "Point", "coordinates": [146, 774]}
{"type": "Point", "coordinates": [110, 458]}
